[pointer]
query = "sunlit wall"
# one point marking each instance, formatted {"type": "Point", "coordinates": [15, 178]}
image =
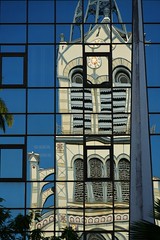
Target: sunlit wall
{"type": "Point", "coordinates": [45, 118]}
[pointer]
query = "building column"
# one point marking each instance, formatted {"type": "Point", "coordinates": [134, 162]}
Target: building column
{"type": "Point", "coordinates": [141, 192]}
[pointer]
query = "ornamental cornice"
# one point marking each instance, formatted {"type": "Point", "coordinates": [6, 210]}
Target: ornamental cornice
{"type": "Point", "coordinates": [78, 220]}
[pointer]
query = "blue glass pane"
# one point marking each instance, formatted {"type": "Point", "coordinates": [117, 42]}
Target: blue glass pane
{"type": "Point", "coordinates": [41, 34]}
{"type": "Point", "coordinates": [41, 12]}
{"type": "Point", "coordinates": [13, 11]}
{"type": "Point", "coordinates": [155, 151]}
{"type": "Point", "coordinates": [11, 163]}
{"type": "Point", "coordinates": [151, 11]}
{"type": "Point", "coordinates": [12, 70]}
{"type": "Point", "coordinates": [43, 145]}
{"type": "Point", "coordinates": [19, 125]}
{"type": "Point", "coordinates": [154, 120]}
{"type": "Point", "coordinates": [152, 56]}
{"type": "Point", "coordinates": [13, 194]}
{"type": "Point", "coordinates": [15, 99]}
{"type": "Point", "coordinates": [153, 96]}
{"type": "Point", "coordinates": [12, 48]}
{"type": "Point", "coordinates": [12, 34]}
{"type": "Point", "coordinates": [41, 101]}
{"type": "Point", "coordinates": [152, 32]}
{"type": "Point", "coordinates": [12, 140]}
{"type": "Point", "coordinates": [40, 124]}
{"type": "Point", "coordinates": [41, 65]}
{"type": "Point", "coordinates": [63, 10]}
{"type": "Point", "coordinates": [125, 8]}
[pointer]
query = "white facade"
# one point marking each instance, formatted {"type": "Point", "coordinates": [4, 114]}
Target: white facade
{"type": "Point", "coordinates": [93, 144]}
{"type": "Point", "coordinates": [97, 119]}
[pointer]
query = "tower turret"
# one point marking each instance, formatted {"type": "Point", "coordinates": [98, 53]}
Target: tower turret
{"type": "Point", "coordinates": [95, 12]}
{"type": "Point", "coordinates": [34, 159]}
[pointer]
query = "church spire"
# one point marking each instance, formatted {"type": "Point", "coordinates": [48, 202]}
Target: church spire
{"type": "Point", "coordinates": [97, 10]}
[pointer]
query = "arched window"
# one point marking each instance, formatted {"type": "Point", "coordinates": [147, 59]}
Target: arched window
{"type": "Point", "coordinates": [96, 171]}
{"type": "Point", "coordinates": [122, 75]}
{"type": "Point", "coordinates": [79, 185]}
{"type": "Point", "coordinates": [115, 238]}
{"type": "Point", "coordinates": [81, 99]}
{"type": "Point", "coordinates": [95, 236]}
{"type": "Point", "coordinates": [77, 78]}
{"type": "Point", "coordinates": [124, 173]}
{"type": "Point", "coordinates": [109, 185]}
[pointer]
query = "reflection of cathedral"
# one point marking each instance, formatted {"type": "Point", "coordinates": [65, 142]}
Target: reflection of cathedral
{"type": "Point", "coordinates": [93, 146]}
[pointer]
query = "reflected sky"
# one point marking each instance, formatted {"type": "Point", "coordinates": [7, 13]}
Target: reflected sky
{"type": "Point", "coordinates": [40, 96]}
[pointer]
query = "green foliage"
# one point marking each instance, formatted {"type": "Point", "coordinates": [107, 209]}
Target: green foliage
{"type": "Point", "coordinates": [69, 234]}
{"type": "Point", "coordinates": [143, 230]}
{"type": "Point", "coordinates": [36, 234]}
{"type": "Point", "coordinates": [4, 213]}
{"type": "Point", "coordinates": [157, 209]}
{"type": "Point", "coordinates": [52, 238]}
{"type": "Point", "coordinates": [20, 223]}
{"type": "Point", "coordinates": [5, 217]}
{"type": "Point", "coordinates": [2, 122]}
{"type": "Point", "coordinates": [5, 117]}
{"type": "Point", "coordinates": [17, 228]}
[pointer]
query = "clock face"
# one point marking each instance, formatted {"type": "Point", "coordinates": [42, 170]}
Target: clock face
{"type": "Point", "coordinates": [94, 62]}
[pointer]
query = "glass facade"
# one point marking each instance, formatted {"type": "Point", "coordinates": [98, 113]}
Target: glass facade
{"type": "Point", "coordinates": [151, 25]}
{"type": "Point", "coordinates": [65, 77]}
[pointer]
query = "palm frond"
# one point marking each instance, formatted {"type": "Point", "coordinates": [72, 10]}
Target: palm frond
{"type": "Point", "coordinates": [20, 223]}
{"type": "Point", "coordinates": [5, 233]}
{"type": "Point", "coordinates": [36, 234]}
{"type": "Point", "coordinates": [2, 123]}
{"type": "Point", "coordinates": [157, 209]}
{"type": "Point", "coordinates": [69, 234]}
{"type": "Point", "coordinates": [5, 116]}
{"type": "Point", "coordinates": [3, 107]}
{"type": "Point", "coordinates": [144, 230]}
{"type": "Point", "coordinates": [1, 200]}
{"type": "Point", "coordinates": [9, 119]}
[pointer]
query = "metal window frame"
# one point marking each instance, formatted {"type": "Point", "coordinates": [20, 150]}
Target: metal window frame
{"type": "Point", "coordinates": [15, 55]}
{"type": "Point", "coordinates": [18, 147]}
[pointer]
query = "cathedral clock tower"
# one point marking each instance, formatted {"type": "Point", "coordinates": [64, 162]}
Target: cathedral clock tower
{"type": "Point", "coordinates": [93, 146]}
{"type": "Point", "coordinates": [93, 136]}
{"type": "Point", "coordinates": [93, 128]}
